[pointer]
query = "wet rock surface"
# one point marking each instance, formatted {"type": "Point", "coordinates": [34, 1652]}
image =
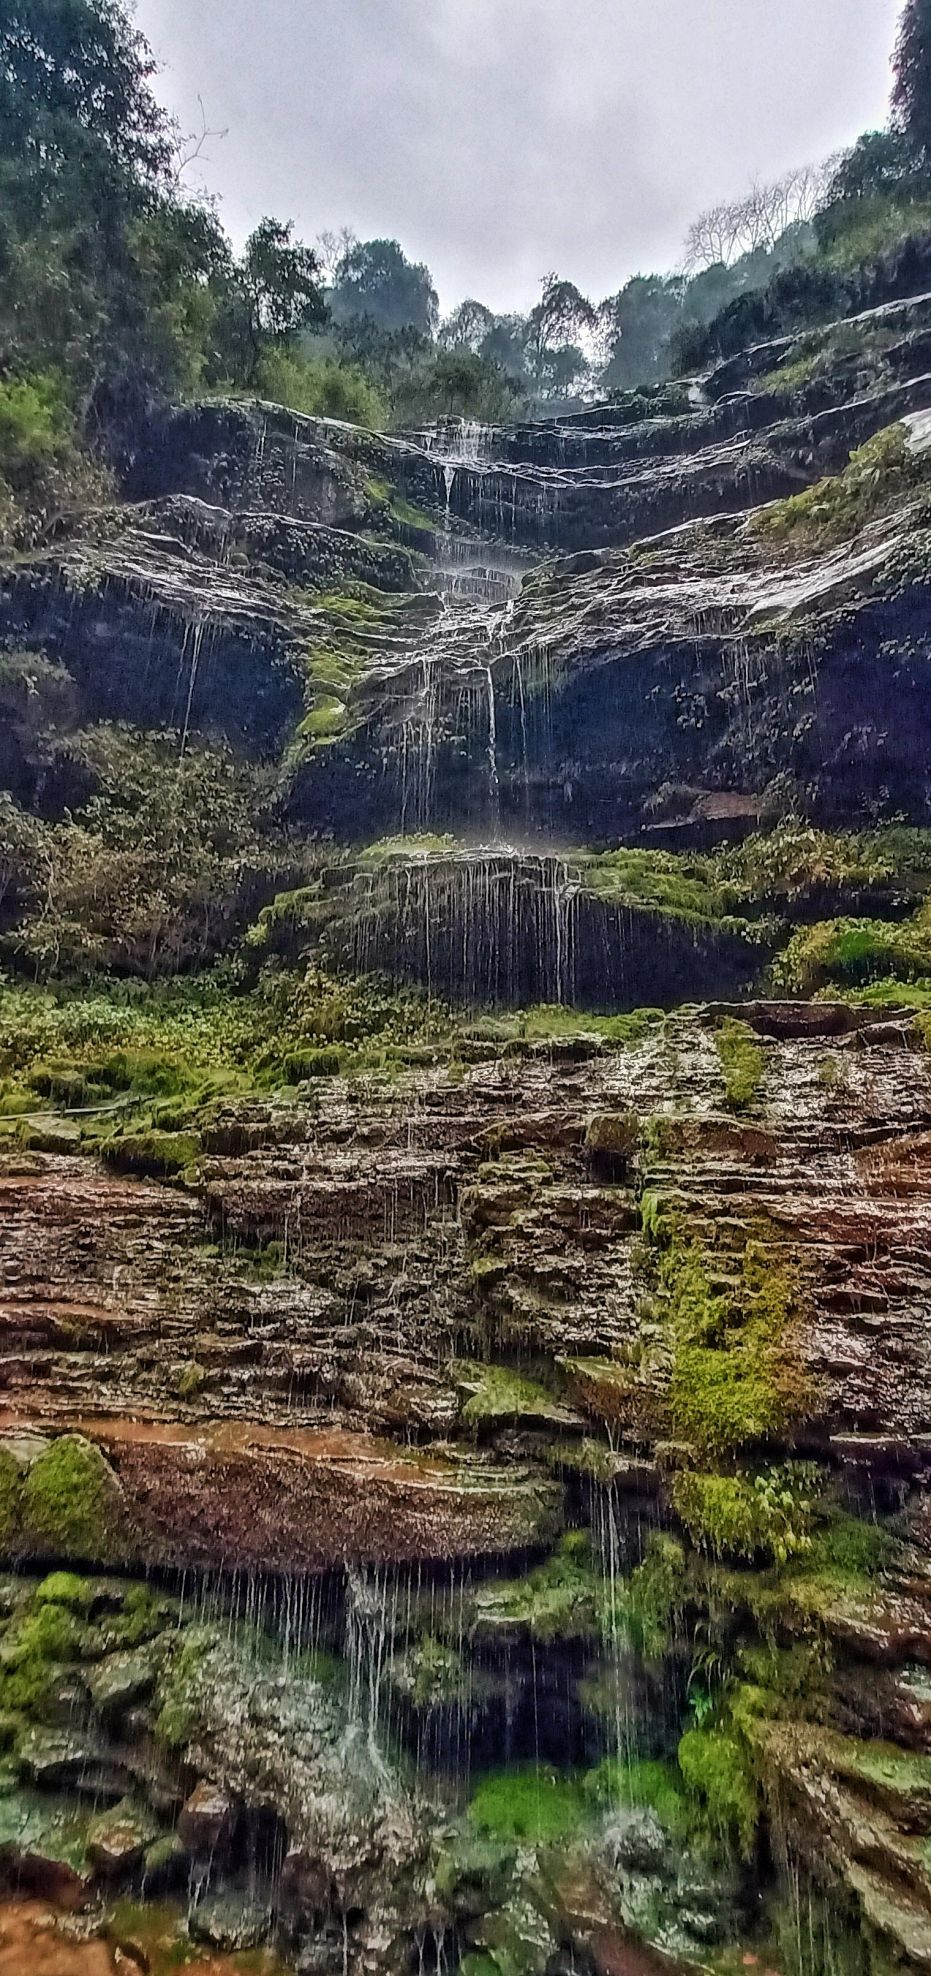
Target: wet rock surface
{"type": "Point", "coordinates": [511, 1467]}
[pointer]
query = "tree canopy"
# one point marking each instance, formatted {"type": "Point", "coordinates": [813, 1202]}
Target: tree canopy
{"type": "Point", "coordinates": [911, 95]}
{"type": "Point", "coordinates": [375, 280]}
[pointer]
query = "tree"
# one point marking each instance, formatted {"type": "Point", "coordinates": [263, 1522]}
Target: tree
{"type": "Point", "coordinates": [911, 95]}
{"type": "Point", "coordinates": [467, 327]}
{"type": "Point", "coordinates": [725, 232]}
{"type": "Point", "coordinates": [76, 107]}
{"type": "Point", "coordinates": [375, 280]}
{"type": "Point", "coordinates": [331, 248]}
{"type": "Point", "coordinates": [273, 294]}
{"type": "Point", "coordinates": [879, 163]}
{"type": "Point", "coordinates": [505, 344]}
{"type": "Point", "coordinates": [638, 325]}
{"type": "Point", "coordinates": [561, 316]}
{"type": "Point", "coordinates": [85, 150]}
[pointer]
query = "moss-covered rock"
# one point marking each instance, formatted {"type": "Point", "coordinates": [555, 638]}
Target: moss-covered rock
{"type": "Point", "coordinates": [72, 1505]}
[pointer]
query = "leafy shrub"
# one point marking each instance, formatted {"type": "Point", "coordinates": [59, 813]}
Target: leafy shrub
{"type": "Point", "coordinates": [854, 952]}
{"type": "Point", "coordinates": [36, 428]}
{"type": "Point", "coordinates": [323, 387]}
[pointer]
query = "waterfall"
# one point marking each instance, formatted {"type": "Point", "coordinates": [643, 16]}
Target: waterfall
{"type": "Point", "coordinates": [493, 788]}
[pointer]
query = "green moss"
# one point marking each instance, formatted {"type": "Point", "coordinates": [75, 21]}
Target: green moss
{"type": "Point", "coordinates": [144, 1614]}
{"type": "Point", "coordinates": [655, 1219]}
{"type": "Point", "coordinates": [326, 720]}
{"type": "Point", "coordinates": [67, 1589]}
{"type": "Point", "coordinates": [653, 1785]}
{"type": "Point", "coordinates": [528, 1803]}
{"type": "Point", "coordinates": [37, 1641]}
{"type": "Point", "coordinates": [852, 1548]}
{"type": "Point", "coordinates": [686, 885]}
{"type": "Point", "coordinates": [836, 509]}
{"type": "Point", "coordinates": [843, 1561]}
{"type": "Point", "coordinates": [737, 1377]}
{"type": "Point", "coordinates": [589, 1458]}
{"type": "Point", "coordinates": [652, 1599]}
{"type": "Point", "coordinates": [71, 1505]}
{"type": "Point", "coordinates": [793, 377]}
{"type": "Point", "coordinates": [430, 1674]}
{"type": "Point", "coordinates": [156, 1155]}
{"type": "Point", "coordinates": [497, 1394]}
{"type": "Point", "coordinates": [545, 1022]}
{"type": "Point", "coordinates": [559, 1600]}
{"type": "Point", "coordinates": [764, 1515]}
{"type": "Point", "coordinates": [177, 1694]}
{"type": "Point", "coordinates": [11, 1491]}
{"type": "Point", "coordinates": [718, 1773]}
{"type": "Point", "coordinates": [742, 1062]}
{"type": "Point", "coordinates": [189, 1379]}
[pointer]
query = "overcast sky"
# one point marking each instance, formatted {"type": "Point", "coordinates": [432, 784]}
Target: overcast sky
{"type": "Point", "coordinates": [497, 139]}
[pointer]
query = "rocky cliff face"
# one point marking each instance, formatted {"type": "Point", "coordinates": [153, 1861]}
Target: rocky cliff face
{"type": "Point", "coordinates": [465, 1494]}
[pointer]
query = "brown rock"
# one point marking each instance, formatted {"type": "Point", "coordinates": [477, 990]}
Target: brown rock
{"type": "Point", "coordinates": [208, 1820]}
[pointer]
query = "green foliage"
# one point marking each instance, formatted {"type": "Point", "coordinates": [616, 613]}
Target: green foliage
{"type": "Point", "coordinates": [70, 1503]}
{"type": "Point", "coordinates": [852, 953]}
{"type": "Point", "coordinates": [323, 387]}
{"type": "Point", "coordinates": [736, 1375]}
{"type": "Point", "coordinates": [742, 1062]}
{"type": "Point", "coordinates": [559, 1600]}
{"type": "Point", "coordinates": [836, 509]}
{"type": "Point", "coordinates": [794, 864]}
{"type": "Point", "coordinates": [911, 96]}
{"type": "Point", "coordinates": [156, 866]}
{"type": "Point", "coordinates": [528, 1803]}
{"type": "Point", "coordinates": [718, 1772]}
{"type": "Point", "coordinates": [376, 282]}
{"type": "Point", "coordinates": [648, 1784]}
{"type": "Point", "coordinates": [653, 1596]}
{"type": "Point", "coordinates": [36, 427]}
{"type": "Point", "coordinates": [764, 1515]}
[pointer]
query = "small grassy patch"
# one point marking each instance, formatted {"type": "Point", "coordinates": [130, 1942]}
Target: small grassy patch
{"type": "Point", "coordinates": [529, 1803]}
{"type": "Point", "coordinates": [742, 1063]}
{"type": "Point", "coordinates": [836, 509]}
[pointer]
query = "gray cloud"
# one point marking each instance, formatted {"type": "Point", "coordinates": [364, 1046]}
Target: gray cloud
{"type": "Point", "coordinates": [499, 138]}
